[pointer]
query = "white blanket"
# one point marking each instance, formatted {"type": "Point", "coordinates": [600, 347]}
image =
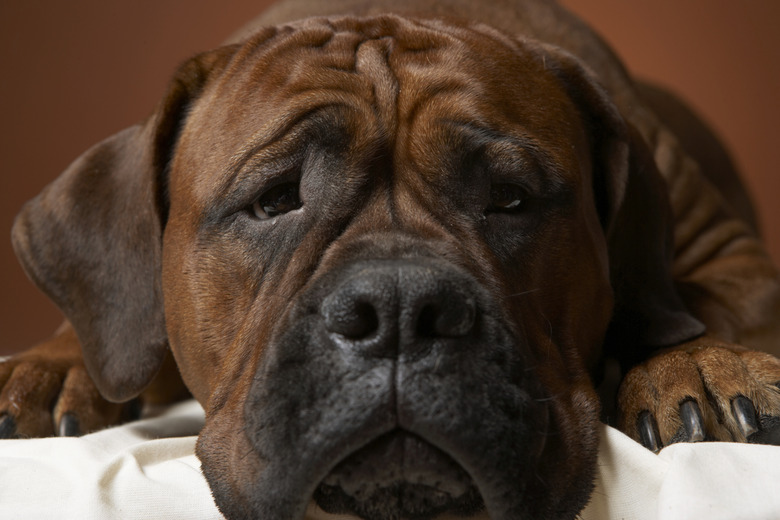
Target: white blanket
{"type": "Point", "coordinates": [148, 470]}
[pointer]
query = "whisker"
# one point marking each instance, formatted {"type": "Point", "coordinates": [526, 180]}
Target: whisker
{"type": "Point", "coordinates": [523, 293]}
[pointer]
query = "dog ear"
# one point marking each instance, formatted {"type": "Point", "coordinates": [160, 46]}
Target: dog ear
{"type": "Point", "coordinates": [632, 202]}
{"type": "Point", "coordinates": [92, 239]}
{"type": "Point", "coordinates": [649, 313]}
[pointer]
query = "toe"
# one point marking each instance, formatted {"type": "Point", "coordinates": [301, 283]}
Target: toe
{"type": "Point", "coordinates": [27, 398]}
{"type": "Point", "coordinates": [80, 408]}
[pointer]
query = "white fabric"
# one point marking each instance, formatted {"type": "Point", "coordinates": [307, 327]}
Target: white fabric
{"type": "Point", "coordinates": [708, 480]}
{"type": "Point", "coordinates": [147, 469]}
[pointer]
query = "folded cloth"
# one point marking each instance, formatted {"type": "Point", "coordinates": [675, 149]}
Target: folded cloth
{"type": "Point", "coordinates": [148, 470]}
{"type": "Point", "coordinates": [709, 480]}
{"type": "Point", "coordinates": [142, 470]}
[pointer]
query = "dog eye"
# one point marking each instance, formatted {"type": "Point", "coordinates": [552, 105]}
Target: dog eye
{"type": "Point", "coordinates": [507, 198]}
{"type": "Point", "coordinates": [276, 201]}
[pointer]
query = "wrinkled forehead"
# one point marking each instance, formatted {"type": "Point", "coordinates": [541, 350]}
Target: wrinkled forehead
{"type": "Point", "coordinates": [390, 78]}
{"type": "Point", "coordinates": [393, 67]}
{"type": "Point", "coordinates": [366, 57]}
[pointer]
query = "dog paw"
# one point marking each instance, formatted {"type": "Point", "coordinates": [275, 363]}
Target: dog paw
{"type": "Point", "coordinates": [714, 392]}
{"type": "Point", "coordinates": [47, 391]}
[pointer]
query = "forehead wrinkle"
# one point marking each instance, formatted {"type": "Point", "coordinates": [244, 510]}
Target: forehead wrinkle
{"type": "Point", "coordinates": [372, 60]}
{"type": "Point", "coordinates": [289, 125]}
{"type": "Point", "coordinates": [277, 129]}
{"type": "Point", "coordinates": [483, 135]}
{"type": "Point", "coordinates": [338, 53]}
{"type": "Point", "coordinates": [314, 63]}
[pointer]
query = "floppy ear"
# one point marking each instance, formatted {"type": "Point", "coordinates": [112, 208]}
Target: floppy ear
{"type": "Point", "coordinates": [92, 239]}
{"type": "Point", "coordinates": [649, 313]}
{"type": "Point", "coordinates": [633, 205]}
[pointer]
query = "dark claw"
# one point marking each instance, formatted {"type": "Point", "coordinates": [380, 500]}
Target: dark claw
{"type": "Point", "coordinates": [692, 420]}
{"type": "Point", "coordinates": [7, 427]}
{"type": "Point", "coordinates": [648, 432]}
{"type": "Point", "coordinates": [69, 426]}
{"type": "Point", "coordinates": [745, 414]}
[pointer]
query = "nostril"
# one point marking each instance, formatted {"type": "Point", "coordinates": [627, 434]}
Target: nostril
{"type": "Point", "coordinates": [426, 322]}
{"type": "Point", "coordinates": [353, 319]}
{"type": "Point", "coordinates": [454, 317]}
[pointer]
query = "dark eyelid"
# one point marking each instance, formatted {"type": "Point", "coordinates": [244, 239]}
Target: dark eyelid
{"type": "Point", "coordinates": [285, 129]}
{"type": "Point", "coordinates": [268, 161]}
{"type": "Point", "coordinates": [495, 145]}
{"type": "Point", "coordinates": [269, 169]}
{"type": "Point", "coordinates": [267, 155]}
{"type": "Point", "coordinates": [510, 163]}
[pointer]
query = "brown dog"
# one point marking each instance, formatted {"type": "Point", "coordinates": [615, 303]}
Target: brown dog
{"type": "Point", "coordinates": [389, 254]}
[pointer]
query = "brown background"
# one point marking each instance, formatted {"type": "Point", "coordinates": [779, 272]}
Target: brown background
{"type": "Point", "coordinates": [72, 73]}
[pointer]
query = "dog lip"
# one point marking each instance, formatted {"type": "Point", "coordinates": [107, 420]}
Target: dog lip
{"type": "Point", "coordinates": [407, 458]}
{"type": "Point", "coordinates": [401, 475]}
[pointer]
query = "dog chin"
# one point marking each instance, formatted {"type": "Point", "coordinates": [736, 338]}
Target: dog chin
{"type": "Point", "coordinates": [399, 476]}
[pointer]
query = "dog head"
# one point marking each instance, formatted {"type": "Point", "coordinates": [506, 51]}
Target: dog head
{"type": "Point", "coordinates": [385, 254]}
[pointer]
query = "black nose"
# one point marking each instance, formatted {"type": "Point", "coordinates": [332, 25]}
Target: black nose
{"type": "Point", "coordinates": [391, 307]}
